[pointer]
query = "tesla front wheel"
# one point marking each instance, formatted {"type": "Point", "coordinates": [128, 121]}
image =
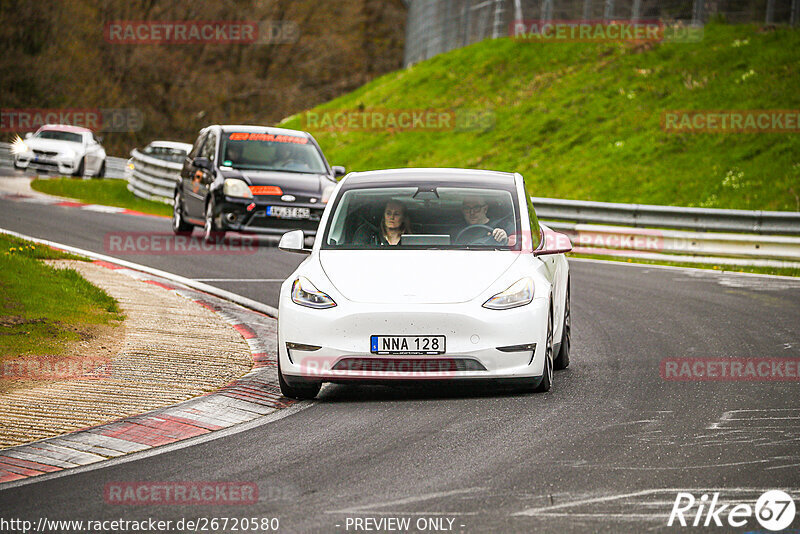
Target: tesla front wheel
{"type": "Point", "coordinates": [562, 360]}
{"type": "Point", "coordinates": [308, 390]}
{"type": "Point", "coordinates": [547, 371]}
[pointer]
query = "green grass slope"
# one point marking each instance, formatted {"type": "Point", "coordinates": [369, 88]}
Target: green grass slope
{"type": "Point", "coordinates": [583, 120]}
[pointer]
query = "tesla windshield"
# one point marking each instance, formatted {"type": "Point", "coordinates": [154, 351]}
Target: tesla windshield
{"type": "Point", "coordinates": [267, 152]}
{"type": "Point", "coordinates": [58, 135]}
{"type": "Point", "coordinates": [428, 216]}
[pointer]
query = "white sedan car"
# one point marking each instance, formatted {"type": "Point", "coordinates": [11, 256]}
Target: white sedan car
{"type": "Point", "coordinates": [63, 149]}
{"type": "Point", "coordinates": [425, 274]}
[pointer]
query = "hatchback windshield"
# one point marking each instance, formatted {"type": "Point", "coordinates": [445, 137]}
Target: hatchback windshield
{"type": "Point", "coordinates": [58, 135]}
{"type": "Point", "coordinates": [426, 216]}
{"type": "Point", "coordinates": [267, 152]}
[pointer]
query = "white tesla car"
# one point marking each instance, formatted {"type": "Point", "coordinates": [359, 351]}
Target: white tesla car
{"type": "Point", "coordinates": [61, 148]}
{"type": "Point", "coordinates": [425, 274]}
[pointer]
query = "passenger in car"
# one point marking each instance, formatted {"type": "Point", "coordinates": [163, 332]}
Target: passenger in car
{"type": "Point", "coordinates": [394, 223]}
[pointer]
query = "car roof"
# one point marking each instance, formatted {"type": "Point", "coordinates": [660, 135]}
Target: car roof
{"type": "Point", "coordinates": [65, 128]}
{"type": "Point", "coordinates": [248, 128]}
{"type": "Point", "coordinates": [469, 176]}
{"type": "Point", "coordinates": [171, 144]}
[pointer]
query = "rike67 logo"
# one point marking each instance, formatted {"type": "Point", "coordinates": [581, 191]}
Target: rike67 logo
{"type": "Point", "coordinates": [774, 510]}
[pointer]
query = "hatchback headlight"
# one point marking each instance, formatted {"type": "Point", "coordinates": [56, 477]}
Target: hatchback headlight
{"type": "Point", "coordinates": [305, 293]}
{"type": "Point", "coordinates": [519, 294]}
{"type": "Point", "coordinates": [326, 193]}
{"type": "Point", "coordinates": [236, 188]}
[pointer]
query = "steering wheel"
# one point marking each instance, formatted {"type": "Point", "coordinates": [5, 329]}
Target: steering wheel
{"type": "Point", "coordinates": [476, 235]}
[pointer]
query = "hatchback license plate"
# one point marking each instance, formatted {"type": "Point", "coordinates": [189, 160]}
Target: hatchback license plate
{"type": "Point", "coordinates": [407, 344]}
{"type": "Point", "coordinates": [283, 212]}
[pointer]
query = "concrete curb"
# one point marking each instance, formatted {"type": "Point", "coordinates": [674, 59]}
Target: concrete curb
{"type": "Point", "coordinates": [254, 395]}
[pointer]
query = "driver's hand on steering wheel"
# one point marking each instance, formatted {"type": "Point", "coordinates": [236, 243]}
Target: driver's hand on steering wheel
{"type": "Point", "coordinates": [500, 236]}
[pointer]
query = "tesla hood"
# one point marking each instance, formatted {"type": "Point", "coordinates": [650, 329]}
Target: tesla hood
{"type": "Point", "coordinates": [414, 276]}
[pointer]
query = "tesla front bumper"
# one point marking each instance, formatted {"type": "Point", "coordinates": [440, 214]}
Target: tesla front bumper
{"type": "Point", "coordinates": [332, 345]}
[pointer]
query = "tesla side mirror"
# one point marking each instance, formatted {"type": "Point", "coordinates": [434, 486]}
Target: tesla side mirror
{"type": "Point", "coordinates": [202, 163]}
{"type": "Point", "coordinates": [338, 171]}
{"type": "Point", "coordinates": [554, 243]}
{"type": "Point", "coordinates": [28, 135]}
{"type": "Point", "coordinates": [293, 242]}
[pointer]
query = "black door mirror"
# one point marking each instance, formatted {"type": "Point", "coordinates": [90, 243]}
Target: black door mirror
{"type": "Point", "coordinates": [338, 171]}
{"type": "Point", "coordinates": [202, 163]}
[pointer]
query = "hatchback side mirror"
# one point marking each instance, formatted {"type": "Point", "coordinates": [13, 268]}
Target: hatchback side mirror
{"type": "Point", "coordinates": [293, 241]}
{"type": "Point", "coordinates": [28, 135]}
{"type": "Point", "coordinates": [338, 171]}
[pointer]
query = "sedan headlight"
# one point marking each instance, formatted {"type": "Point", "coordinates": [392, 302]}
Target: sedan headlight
{"type": "Point", "coordinates": [236, 188]}
{"type": "Point", "coordinates": [18, 146]}
{"type": "Point", "coordinates": [305, 293]}
{"type": "Point", "coordinates": [519, 294]}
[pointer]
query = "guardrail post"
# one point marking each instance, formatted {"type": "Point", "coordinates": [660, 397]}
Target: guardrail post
{"type": "Point", "coordinates": [698, 12]}
{"type": "Point", "coordinates": [636, 11]}
{"type": "Point", "coordinates": [608, 11]}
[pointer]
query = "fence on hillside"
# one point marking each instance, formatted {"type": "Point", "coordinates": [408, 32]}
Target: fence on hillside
{"type": "Point", "coordinates": [436, 26]}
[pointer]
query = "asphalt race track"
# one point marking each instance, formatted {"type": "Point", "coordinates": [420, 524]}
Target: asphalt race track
{"type": "Point", "coordinates": [606, 450]}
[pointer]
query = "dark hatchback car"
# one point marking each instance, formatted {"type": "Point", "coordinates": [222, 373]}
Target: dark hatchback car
{"type": "Point", "coordinates": [253, 179]}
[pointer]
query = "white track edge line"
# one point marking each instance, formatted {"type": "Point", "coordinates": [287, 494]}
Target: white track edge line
{"type": "Point", "coordinates": [200, 286]}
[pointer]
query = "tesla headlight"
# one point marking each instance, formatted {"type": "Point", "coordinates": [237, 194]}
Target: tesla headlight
{"type": "Point", "coordinates": [305, 293]}
{"type": "Point", "coordinates": [236, 188]}
{"type": "Point", "coordinates": [519, 294]}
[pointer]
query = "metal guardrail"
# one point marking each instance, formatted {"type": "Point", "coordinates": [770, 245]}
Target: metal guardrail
{"type": "Point", "coordinates": [613, 240]}
{"type": "Point", "coordinates": [152, 178]}
{"type": "Point", "coordinates": [651, 216]}
{"type": "Point", "coordinates": [647, 231]}
{"type": "Point", "coordinates": [5, 155]}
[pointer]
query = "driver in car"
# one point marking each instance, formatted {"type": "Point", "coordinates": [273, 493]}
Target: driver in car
{"type": "Point", "coordinates": [474, 209]}
{"type": "Point", "coordinates": [287, 157]}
